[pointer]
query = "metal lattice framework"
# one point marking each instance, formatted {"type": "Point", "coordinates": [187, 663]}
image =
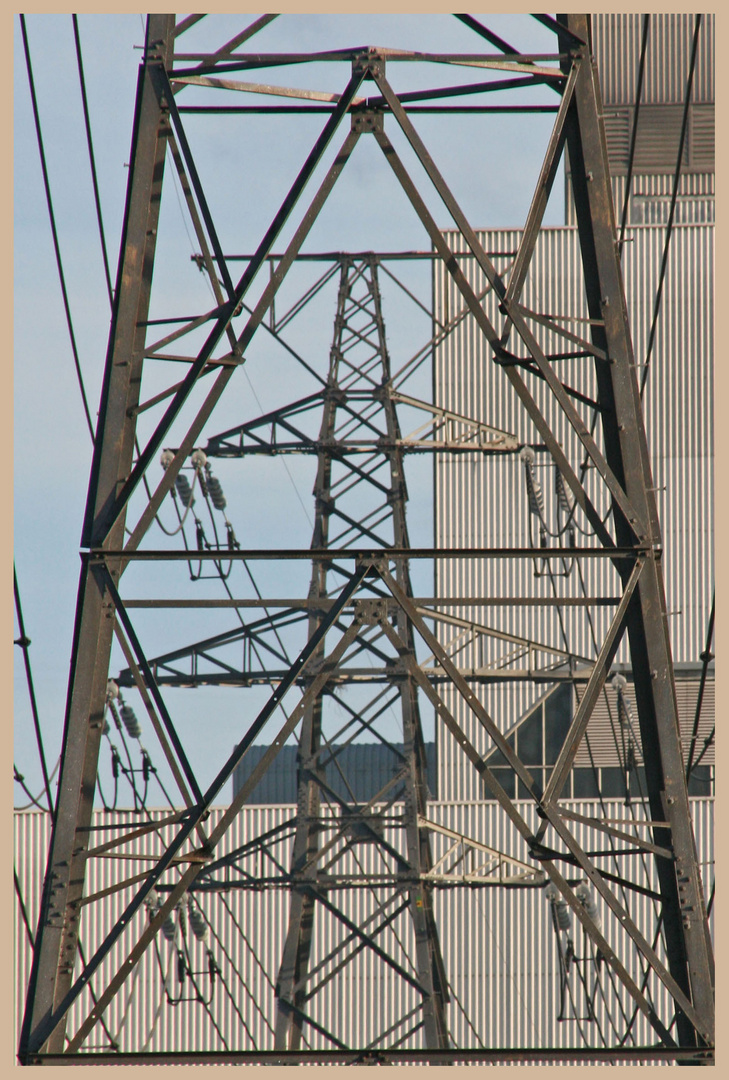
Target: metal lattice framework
{"type": "Point", "coordinates": [360, 644]}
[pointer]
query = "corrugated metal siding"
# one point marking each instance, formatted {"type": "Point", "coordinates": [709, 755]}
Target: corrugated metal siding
{"type": "Point", "coordinates": [604, 722]}
{"type": "Point", "coordinates": [604, 742]}
{"type": "Point", "coordinates": [483, 502]}
{"type": "Point", "coordinates": [498, 946]}
{"type": "Point", "coordinates": [616, 45]}
{"type": "Point", "coordinates": [695, 204]}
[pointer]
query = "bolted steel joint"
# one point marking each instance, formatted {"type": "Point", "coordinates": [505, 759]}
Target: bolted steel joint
{"type": "Point", "coordinates": [369, 64]}
{"type": "Point", "coordinates": [370, 611]}
{"type": "Point", "coordinates": [370, 121]}
{"type": "Point", "coordinates": [374, 562]}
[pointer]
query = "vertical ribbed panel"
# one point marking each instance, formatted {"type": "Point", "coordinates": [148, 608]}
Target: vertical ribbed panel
{"type": "Point", "coordinates": [498, 944]}
{"type": "Point", "coordinates": [650, 199]}
{"type": "Point", "coordinates": [616, 45]}
{"type": "Point", "coordinates": [483, 502]}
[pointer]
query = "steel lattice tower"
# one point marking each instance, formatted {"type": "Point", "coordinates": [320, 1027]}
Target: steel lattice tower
{"type": "Point", "coordinates": [359, 413]}
{"type": "Point", "coordinates": [360, 602]}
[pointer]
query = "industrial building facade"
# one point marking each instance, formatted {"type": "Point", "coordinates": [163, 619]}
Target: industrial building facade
{"type": "Point", "coordinates": [520, 972]}
{"type": "Point", "coordinates": [500, 947]}
{"type": "Point", "coordinates": [484, 502]}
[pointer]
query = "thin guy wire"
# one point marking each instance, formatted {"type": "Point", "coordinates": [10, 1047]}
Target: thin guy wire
{"type": "Point", "coordinates": [239, 976]}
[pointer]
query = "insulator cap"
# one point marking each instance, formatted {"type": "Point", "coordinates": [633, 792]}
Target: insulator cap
{"type": "Point", "coordinates": [560, 491]}
{"type": "Point", "coordinates": [619, 683]}
{"type": "Point", "coordinates": [527, 455]}
{"type": "Point", "coordinates": [216, 493]}
{"type": "Point", "coordinates": [561, 907]}
{"type": "Point", "coordinates": [586, 897]}
{"type": "Point", "coordinates": [536, 498]}
{"type": "Point", "coordinates": [564, 920]}
{"type": "Point", "coordinates": [198, 459]}
{"type": "Point", "coordinates": [129, 719]}
{"type": "Point", "coordinates": [112, 690]}
{"type": "Point", "coordinates": [184, 490]}
{"type": "Point", "coordinates": [166, 458]}
{"type": "Point", "coordinates": [197, 923]}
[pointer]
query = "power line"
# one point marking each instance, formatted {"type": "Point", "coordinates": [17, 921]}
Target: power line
{"type": "Point", "coordinates": [706, 658]}
{"type": "Point", "coordinates": [674, 195]}
{"type": "Point", "coordinates": [24, 642]}
{"type": "Point", "coordinates": [633, 137]}
{"type": "Point", "coordinates": [54, 232]}
{"type": "Point", "coordinates": [23, 911]}
{"type": "Point", "coordinates": [92, 162]}
{"type": "Point", "coordinates": [34, 801]}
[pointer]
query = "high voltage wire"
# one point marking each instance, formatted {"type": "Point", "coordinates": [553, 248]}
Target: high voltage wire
{"type": "Point", "coordinates": [92, 162]}
{"type": "Point", "coordinates": [706, 658]}
{"type": "Point", "coordinates": [54, 232]}
{"type": "Point", "coordinates": [24, 642]}
{"type": "Point", "coordinates": [674, 196]}
{"type": "Point", "coordinates": [634, 134]}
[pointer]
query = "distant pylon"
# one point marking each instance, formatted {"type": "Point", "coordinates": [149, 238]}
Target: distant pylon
{"type": "Point", "coordinates": [330, 829]}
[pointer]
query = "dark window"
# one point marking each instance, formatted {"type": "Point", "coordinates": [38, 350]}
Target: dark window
{"type": "Point", "coordinates": [700, 780]}
{"type": "Point", "coordinates": [617, 133]}
{"type": "Point", "coordinates": [497, 758]}
{"type": "Point", "coordinates": [702, 134]}
{"type": "Point", "coordinates": [537, 775]}
{"type": "Point", "coordinates": [659, 136]}
{"type": "Point", "coordinates": [613, 783]}
{"type": "Point", "coordinates": [584, 784]}
{"type": "Point", "coordinates": [506, 779]}
{"type": "Point", "coordinates": [557, 718]}
{"type": "Point", "coordinates": [529, 740]}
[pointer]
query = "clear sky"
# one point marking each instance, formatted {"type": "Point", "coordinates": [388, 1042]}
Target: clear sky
{"type": "Point", "coordinates": [246, 166]}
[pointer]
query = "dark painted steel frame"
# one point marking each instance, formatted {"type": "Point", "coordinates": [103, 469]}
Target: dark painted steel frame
{"type": "Point", "coordinates": [624, 469]}
{"type": "Point", "coordinates": [362, 379]}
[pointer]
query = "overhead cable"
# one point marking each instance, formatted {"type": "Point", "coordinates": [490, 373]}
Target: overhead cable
{"type": "Point", "coordinates": [92, 162]}
{"type": "Point", "coordinates": [24, 642]}
{"type": "Point", "coordinates": [706, 658]}
{"type": "Point", "coordinates": [54, 232]}
{"type": "Point", "coordinates": [674, 195]}
{"type": "Point", "coordinates": [634, 133]}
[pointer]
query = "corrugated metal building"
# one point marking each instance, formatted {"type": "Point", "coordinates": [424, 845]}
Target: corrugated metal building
{"type": "Point", "coordinates": [483, 501]}
{"type": "Point", "coordinates": [499, 946]}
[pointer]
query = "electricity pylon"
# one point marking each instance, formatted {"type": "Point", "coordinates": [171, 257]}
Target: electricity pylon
{"type": "Point", "coordinates": [360, 599]}
{"type": "Point", "coordinates": [359, 410]}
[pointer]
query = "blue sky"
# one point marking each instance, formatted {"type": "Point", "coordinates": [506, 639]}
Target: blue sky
{"type": "Point", "coordinates": [246, 166]}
